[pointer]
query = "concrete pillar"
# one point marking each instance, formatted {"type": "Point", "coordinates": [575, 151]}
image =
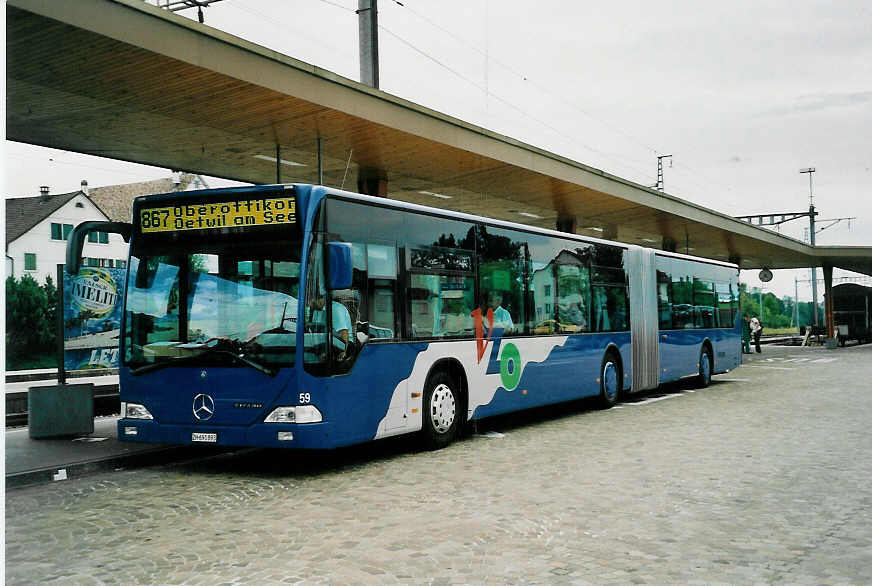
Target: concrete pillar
{"type": "Point", "coordinates": [828, 306]}
{"type": "Point", "coordinates": [367, 11]}
{"type": "Point", "coordinates": [372, 182]}
{"type": "Point", "coordinates": [566, 223]}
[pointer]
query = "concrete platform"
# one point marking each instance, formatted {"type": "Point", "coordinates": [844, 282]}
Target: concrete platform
{"type": "Point", "coordinates": [30, 461]}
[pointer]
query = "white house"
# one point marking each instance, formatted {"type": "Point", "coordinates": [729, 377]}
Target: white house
{"type": "Point", "coordinates": [37, 229]}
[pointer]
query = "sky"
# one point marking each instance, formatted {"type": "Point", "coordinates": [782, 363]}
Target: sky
{"type": "Point", "coordinates": [742, 94]}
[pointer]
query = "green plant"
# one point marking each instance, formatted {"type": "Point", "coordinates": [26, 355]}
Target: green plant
{"type": "Point", "coordinates": [30, 318]}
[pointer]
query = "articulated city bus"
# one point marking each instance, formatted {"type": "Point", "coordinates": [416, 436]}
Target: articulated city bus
{"type": "Point", "coordinates": [307, 317]}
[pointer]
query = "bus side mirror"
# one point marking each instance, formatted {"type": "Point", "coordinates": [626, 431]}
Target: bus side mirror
{"type": "Point", "coordinates": [339, 269]}
{"type": "Point", "coordinates": [77, 240]}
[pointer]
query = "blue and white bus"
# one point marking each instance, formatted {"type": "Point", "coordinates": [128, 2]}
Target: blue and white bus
{"type": "Point", "coordinates": [307, 317]}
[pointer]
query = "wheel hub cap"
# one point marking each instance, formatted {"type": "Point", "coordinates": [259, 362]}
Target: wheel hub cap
{"type": "Point", "coordinates": [442, 408]}
{"type": "Point", "coordinates": [610, 380]}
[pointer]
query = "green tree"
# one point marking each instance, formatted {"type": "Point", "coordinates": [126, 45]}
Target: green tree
{"type": "Point", "coordinates": [30, 317]}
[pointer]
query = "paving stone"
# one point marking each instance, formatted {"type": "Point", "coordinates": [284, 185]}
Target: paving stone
{"type": "Point", "coordinates": [761, 478]}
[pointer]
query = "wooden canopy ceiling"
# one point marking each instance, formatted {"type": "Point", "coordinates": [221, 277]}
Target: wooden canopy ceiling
{"type": "Point", "coordinates": [125, 80]}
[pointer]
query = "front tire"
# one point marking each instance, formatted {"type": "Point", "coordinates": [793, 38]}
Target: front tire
{"type": "Point", "coordinates": [610, 381]}
{"type": "Point", "coordinates": [441, 417]}
{"type": "Point", "coordinates": [704, 378]}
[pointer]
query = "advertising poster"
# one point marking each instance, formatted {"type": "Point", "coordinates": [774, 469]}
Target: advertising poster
{"type": "Point", "coordinates": [92, 317]}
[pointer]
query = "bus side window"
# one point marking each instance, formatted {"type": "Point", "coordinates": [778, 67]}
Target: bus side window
{"type": "Point", "coordinates": [315, 337]}
{"type": "Point", "coordinates": [348, 310]}
{"type": "Point", "coordinates": [682, 302]}
{"type": "Point", "coordinates": [441, 292]}
{"type": "Point", "coordinates": [382, 291]}
{"type": "Point", "coordinates": [573, 294]}
{"type": "Point", "coordinates": [703, 303]}
{"type": "Point", "coordinates": [610, 308]}
{"type": "Point", "coordinates": [664, 300]}
{"type": "Point", "coordinates": [725, 305]}
{"type": "Point", "coordinates": [501, 266]}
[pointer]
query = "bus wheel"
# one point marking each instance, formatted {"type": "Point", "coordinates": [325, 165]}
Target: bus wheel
{"type": "Point", "coordinates": [704, 378]}
{"type": "Point", "coordinates": [610, 381]}
{"type": "Point", "coordinates": [441, 417]}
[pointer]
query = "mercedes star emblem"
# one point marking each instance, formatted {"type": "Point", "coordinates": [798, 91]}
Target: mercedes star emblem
{"type": "Point", "coordinates": [204, 407]}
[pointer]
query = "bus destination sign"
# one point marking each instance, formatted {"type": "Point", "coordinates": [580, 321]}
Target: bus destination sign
{"type": "Point", "coordinates": [261, 211]}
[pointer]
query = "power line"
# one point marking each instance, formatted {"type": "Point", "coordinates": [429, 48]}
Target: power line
{"type": "Point", "coordinates": [532, 82]}
{"type": "Point", "coordinates": [559, 97]}
{"type": "Point", "coordinates": [570, 139]}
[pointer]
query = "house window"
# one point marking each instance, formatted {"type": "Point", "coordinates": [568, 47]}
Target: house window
{"type": "Point", "coordinates": [60, 231]}
{"type": "Point", "coordinates": [29, 261]}
{"type": "Point", "coordinates": [101, 237]}
{"type": "Point", "coordinates": [120, 264]}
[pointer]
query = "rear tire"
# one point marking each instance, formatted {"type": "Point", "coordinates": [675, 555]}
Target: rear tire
{"type": "Point", "coordinates": [704, 378]}
{"type": "Point", "coordinates": [610, 381]}
{"type": "Point", "coordinates": [441, 416]}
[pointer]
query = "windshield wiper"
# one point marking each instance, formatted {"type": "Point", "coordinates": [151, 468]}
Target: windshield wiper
{"type": "Point", "coordinates": [217, 349]}
{"type": "Point", "coordinates": [249, 362]}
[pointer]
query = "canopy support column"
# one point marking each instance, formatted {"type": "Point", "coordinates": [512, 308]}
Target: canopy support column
{"type": "Point", "coordinates": [372, 182]}
{"type": "Point", "coordinates": [828, 306]}
{"type": "Point", "coordinates": [566, 223]}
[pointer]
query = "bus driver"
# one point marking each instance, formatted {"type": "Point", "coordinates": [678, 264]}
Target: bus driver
{"type": "Point", "coordinates": [341, 319]}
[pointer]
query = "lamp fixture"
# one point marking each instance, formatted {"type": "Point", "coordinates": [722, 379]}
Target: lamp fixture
{"type": "Point", "coordinates": [283, 161]}
{"type": "Point", "coordinates": [439, 195]}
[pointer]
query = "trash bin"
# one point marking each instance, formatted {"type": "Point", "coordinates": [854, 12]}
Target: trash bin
{"type": "Point", "coordinates": [60, 410]}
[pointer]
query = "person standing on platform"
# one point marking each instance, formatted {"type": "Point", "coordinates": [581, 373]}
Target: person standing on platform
{"type": "Point", "coordinates": [746, 335]}
{"type": "Point", "coordinates": [756, 331]}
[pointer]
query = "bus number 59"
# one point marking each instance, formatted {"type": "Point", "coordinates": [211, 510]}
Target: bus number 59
{"type": "Point", "coordinates": [305, 398]}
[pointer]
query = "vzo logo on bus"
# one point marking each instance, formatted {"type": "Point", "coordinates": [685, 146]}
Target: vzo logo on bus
{"type": "Point", "coordinates": [508, 362]}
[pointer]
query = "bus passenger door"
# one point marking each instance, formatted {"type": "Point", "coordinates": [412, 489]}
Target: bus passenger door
{"type": "Point", "coordinates": [666, 334]}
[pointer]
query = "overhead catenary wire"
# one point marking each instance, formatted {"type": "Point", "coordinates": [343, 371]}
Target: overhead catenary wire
{"type": "Point", "coordinates": [559, 97]}
{"type": "Point", "coordinates": [571, 140]}
{"type": "Point", "coordinates": [519, 109]}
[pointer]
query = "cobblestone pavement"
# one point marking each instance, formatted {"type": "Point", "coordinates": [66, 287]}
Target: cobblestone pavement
{"type": "Point", "coordinates": [764, 477]}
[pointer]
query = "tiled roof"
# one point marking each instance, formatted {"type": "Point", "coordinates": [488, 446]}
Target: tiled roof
{"type": "Point", "coordinates": [116, 201]}
{"type": "Point", "coordinates": [23, 213]}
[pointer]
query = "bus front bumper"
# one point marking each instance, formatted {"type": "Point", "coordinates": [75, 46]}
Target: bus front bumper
{"type": "Point", "coordinates": [262, 435]}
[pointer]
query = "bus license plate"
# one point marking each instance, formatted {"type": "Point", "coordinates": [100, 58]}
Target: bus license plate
{"type": "Point", "coordinates": [204, 437]}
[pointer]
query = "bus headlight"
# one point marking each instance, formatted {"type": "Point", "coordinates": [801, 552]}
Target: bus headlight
{"type": "Point", "coordinates": [135, 411]}
{"type": "Point", "coordinates": [298, 414]}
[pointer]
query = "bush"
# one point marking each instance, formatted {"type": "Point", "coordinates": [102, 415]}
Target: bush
{"type": "Point", "coordinates": [30, 319]}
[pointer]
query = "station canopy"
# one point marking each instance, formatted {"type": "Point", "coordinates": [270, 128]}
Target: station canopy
{"type": "Point", "coordinates": [126, 80]}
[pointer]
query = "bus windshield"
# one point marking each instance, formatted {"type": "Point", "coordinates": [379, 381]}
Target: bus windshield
{"type": "Point", "coordinates": [230, 302]}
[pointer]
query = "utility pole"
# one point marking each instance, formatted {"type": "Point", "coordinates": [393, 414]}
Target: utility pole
{"type": "Point", "coordinates": [659, 185]}
{"type": "Point", "coordinates": [811, 214]}
{"type": "Point", "coordinates": [795, 302]}
{"type": "Point", "coordinates": [367, 20]}
{"type": "Point", "coordinates": [760, 300]}
{"type": "Point", "coordinates": [177, 5]}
